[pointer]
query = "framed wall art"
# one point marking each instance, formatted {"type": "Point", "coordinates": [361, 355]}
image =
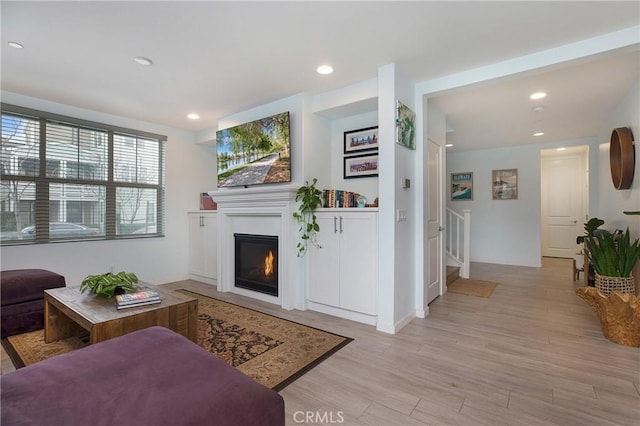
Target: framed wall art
{"type": "Point", "coordinates": [462, 186]}
{"type": "Point", "coordinates": [361, 140]}
{"type": "Point", "coordinates": [504, 184]}
{"type": "Point", "coordinates": [358, 166]}
{"type": "Point", "coordinates": [405, 126]}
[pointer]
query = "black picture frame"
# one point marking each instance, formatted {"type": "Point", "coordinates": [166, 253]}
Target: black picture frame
{"type": "Point", "coordinates": [361, 140]}
{"type": "Point", "coordinates": [359, 166]}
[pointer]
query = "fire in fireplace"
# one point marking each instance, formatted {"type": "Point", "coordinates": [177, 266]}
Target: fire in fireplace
{"type": "Point", "coordinates": [256, 263]}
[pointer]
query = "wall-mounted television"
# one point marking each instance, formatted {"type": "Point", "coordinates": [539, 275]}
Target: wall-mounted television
{"type": "Point", "coordinates": [255, 153]}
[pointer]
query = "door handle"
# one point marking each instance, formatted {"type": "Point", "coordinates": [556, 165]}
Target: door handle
{"type": "Point", "coordinates": [575, 221]}
{"type": "Point", "coordinates": [341, 224]}
{"type": "Point", "coordinates": [440, 228]}
{"type": "Point", "coordinates": [335, 225]}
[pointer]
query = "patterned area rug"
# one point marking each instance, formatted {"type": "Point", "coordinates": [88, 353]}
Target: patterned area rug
{"type": "Point", "coordinates": [478, 288]}
{"type": "Point", "coordinates": [271, 350]}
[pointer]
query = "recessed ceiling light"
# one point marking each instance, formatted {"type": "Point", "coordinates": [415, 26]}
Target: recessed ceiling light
{"type": "Point", "coordinates": [16, 45]}
{"type": "Point", "coordinates": [538, 134]}
{"type": "Point", "coordinates": [324, 69]}
{"type": "Point", "coordinates": [537, 95]}
{"type": "Point", "coordinates": [449, 145]}
{"type": "Point", "coordinates": [537, 108]}
{"type": "Point", "coordinates": [561, 149]}
{"type": "Point", "coordinates": [193, 116]}
{"type": "Point", "coordinates": [143, 61]}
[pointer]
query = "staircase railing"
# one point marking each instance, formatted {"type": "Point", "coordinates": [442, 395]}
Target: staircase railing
{"type": "Point", "coordinates": [458, 242]}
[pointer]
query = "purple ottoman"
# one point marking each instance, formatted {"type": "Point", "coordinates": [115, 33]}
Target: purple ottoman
{"type": "Point", "coordinates": [22, 299]}
{"type": "Point", "coordinates": [152, 376]}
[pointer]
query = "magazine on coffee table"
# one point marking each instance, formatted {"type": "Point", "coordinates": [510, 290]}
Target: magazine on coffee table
{"type": "Point", "coordinates": [138, 298]}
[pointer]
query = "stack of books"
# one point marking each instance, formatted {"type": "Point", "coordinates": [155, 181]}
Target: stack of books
{"type": "Point", "coordinates": [139, 298]}
{"type": "Point", "coordinates": [339, 198]}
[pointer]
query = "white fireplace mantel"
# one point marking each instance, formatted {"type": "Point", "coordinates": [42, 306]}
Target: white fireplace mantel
{"type": "Point", "coordinates": [254, 195]}
{"type": "Point", "coordinates": [264, 210]}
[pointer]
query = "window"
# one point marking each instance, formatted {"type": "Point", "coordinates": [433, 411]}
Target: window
{"type": "Point", "coordinates": [68, 179]}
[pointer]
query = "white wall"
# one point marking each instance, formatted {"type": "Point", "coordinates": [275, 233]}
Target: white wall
{"type": "Point", "coordinates": [396, 293]}
{"type": "Point", "coordinates": [367, 186]}
{"type": "Point", "coordinates": [190, 169]}
{"type": "Point", "coordinates": [405, 199]}
{"type": "Point", "coordinates": [613, 202]}
{"type": "Point", "coordinates": [504, 231]}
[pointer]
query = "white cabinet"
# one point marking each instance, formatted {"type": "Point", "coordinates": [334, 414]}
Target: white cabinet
{"type": "Point", "coordinates": [343, 273]}
{"type": "Point", "coordinates": [203, 246]}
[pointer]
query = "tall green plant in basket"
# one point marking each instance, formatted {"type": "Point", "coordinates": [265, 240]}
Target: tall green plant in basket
{"type": "Point", "coordinates": [613, 258]}
{"type": "Point", "coordinates": [310, 198]}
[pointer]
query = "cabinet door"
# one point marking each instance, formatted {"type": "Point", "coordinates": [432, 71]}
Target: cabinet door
{"type": "Point", "coordinates": [203, 247]}
{"type": "Point", "coordinates": [210, 245]}
{"type": "Point", "coordinates": [358, 262]}
{"type": "Point", "coordinates": [324, 271]}
{"type": "Point", "coordinates": [196, 245]}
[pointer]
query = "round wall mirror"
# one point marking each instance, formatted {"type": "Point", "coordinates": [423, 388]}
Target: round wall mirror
{"type": "Point", "coordinates": [622, 157]}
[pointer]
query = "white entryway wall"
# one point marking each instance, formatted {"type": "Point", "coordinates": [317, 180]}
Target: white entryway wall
{"type": "Point", "coordinates": [611, 202]}
{"type": "Point", "coordinates": [508, 232]}
{"type": "Point", "coordinates": [504, 231]}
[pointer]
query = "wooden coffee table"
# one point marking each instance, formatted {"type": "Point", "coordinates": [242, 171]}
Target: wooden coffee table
{"type": "Point", "coordinates": [67, 312]}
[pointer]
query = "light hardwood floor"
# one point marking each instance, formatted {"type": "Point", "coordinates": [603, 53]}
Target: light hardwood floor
{"type": "Point", "coordinates": [532, 354]}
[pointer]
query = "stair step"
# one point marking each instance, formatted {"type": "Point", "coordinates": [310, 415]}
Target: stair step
{"type": "Point", "coordinates": [453, 273]}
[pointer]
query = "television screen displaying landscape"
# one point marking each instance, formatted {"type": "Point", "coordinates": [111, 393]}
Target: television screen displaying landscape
{"type": "Point", "coordinates": [255, 153]}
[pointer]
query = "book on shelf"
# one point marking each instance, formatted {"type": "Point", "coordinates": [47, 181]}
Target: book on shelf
{"type": "Point", "coordinates": [333, 198]}
{"type": "Point", "coordinates": [138, 303]}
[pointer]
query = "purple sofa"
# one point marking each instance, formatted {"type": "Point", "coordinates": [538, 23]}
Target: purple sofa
{"type": "Point", "coordinates": [152, 376]}
{"type": "Point", "coordinates": [22, 298]}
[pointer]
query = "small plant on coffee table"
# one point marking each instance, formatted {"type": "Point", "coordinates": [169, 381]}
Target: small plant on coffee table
{"type": "Point", "coordinates": [106, 285]}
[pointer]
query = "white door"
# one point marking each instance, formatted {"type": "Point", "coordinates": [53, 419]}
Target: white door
{"type": "Point", "coordinates": [433, 255]}
{"type": "Point", "coordinates": [564, 192]}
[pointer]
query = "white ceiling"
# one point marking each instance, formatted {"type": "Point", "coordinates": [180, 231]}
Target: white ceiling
{"type": "Point", "coordinates": [219, 58]}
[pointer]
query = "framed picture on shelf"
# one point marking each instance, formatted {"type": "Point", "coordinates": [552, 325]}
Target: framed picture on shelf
{"type": "Point", "coordinates": [504, 184]}
{"type": "Point", "coordinates": [462, 186]}
{"type": "Point", "coordinates": [361, 166]}
{"type": "Point", "coordinates": [361, 140]}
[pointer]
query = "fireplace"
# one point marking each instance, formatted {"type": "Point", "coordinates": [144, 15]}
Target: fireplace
{"type": "Point", "coordinates": [256, 263]}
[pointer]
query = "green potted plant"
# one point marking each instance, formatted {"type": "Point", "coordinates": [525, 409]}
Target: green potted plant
{"type": "Point", "coordinates": [589, 228]}
{"type": "Point", "coordinates": [309, 198]}
{"type": "Point", "coordinates": [106, 285]}
{"type": "Point", "coordinates": [613, 257]}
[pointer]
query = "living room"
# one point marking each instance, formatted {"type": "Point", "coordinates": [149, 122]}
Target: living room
{"type": "Point", "coordinates": [319, 118]}
{"type": "Point", "coordinates": [190, 160]}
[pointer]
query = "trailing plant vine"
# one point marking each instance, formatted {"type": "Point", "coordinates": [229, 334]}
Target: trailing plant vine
{"type": "Point", "coordinates": [310, 198]}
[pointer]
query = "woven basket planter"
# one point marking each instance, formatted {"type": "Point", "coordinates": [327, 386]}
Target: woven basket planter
{"type": "Point", "coordinates": [607, 285]}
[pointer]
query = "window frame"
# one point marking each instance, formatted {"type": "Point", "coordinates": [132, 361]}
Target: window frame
{"type": "Point", "coordinates": [43, 182]}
